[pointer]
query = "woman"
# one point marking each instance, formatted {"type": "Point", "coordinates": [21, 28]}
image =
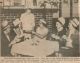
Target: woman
{"type": "Point", "coordinates": [17, 27]}
{"type": "Point", "coordinates": [60, 36]}
{"type": "Point", "coordinates": [42, 30]}
{"type": "Point", "coordinates": [61, 32]}
{"type": "Point", "coordinates": [7, 35]}
{"type": "Point", "coordinates": [28, 22]}
{"type": "Point", "coordinates": [73, 27]}
{"type": "Point", "coordinates": [73, 37]}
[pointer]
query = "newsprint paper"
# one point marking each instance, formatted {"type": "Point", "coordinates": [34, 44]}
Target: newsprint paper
{"type": "Point", "coordinates": [39, 31]}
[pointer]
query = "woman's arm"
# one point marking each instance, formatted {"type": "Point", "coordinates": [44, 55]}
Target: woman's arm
{"type": "Point", "coordinates": [55, 36]}
{"type": "Point", "coordinates": [39, 35]}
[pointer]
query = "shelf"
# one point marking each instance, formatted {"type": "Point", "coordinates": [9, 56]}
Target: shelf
{"type": "Point", "coordinates": [24, 7]}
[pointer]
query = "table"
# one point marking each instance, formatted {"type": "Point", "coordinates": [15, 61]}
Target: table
{"type": "Point", "coordinates": [42, 49]}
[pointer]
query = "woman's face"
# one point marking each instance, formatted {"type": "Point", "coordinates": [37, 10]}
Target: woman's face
{"type": "Point", "coordinates": [59, 26]}
{"type": "Point", "coordinates": [40, 24]}
{"type": "Point", "coordinates": [70, 25]}
{"type": "Point", "coordinates": [8, 29]}
{"type": "Point", "coordinates": [28, 11]}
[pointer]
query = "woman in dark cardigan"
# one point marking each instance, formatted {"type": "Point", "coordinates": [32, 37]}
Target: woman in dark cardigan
{"type": "Point", "coordinates": [7, 35]}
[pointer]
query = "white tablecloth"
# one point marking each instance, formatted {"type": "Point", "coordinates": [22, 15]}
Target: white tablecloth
{"type": "Point", "coordinates": [43, 48]}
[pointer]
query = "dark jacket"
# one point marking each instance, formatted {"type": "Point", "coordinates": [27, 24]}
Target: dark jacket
{"type": "Point", "coordinates": [5, 49]}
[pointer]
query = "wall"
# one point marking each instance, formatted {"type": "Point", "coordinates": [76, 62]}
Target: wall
{"type": "Point", "coordinates": [75, 9]}
{"type": "Point", "coordinates": [66, 8]}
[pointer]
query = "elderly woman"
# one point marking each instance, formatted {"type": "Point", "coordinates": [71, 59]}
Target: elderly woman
{"type": "Point", "coordinates": [41, 31]}
{"type": "Point", "coordinates": [18, 30]}
{"type": "Point", "coordinates": [5, 38]}
{"type": "Point", "coordinates": [7, 35]}
{"type": "Point", "coordinates": [73, 27]}
{"type": "Point", "coordinates": [61, 32]}
{"type": "Point", "coordinates": [28, 22]}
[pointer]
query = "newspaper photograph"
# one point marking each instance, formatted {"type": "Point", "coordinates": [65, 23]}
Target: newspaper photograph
{"type": "Point", "coordinates": [39, 31]}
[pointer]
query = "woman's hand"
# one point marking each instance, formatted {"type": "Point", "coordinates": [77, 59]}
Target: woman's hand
{"type": "Point", "coordinates": [14, 41]}
{"type": "Point", "coordinates": [55, 36]}
{"type": "Point", "coordinates": [64, 37]}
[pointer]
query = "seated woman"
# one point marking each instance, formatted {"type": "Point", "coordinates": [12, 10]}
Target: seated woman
{"type": "Point", "coordinates": [7, 35]}
{"type": "Point", "coordinates": [5, 38]}
{"type": "Point", "coordinates": [18, 30]}
{"type": "Point", "coordinates": [73, 30]}
{"type": "Point", "coordinates": [61, 30]}
{"type": "Point", "coordinates": [24, 26]}
{"type": "Point", "coordinates": [28, 22]}
{"type": "Point", "coordinates": [60, 35]}
{"type": "Point", "coordinates": [41, 31]}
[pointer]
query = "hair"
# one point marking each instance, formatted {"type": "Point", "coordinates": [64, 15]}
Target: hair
{"type": "Point", "coordinates": [44, 24]}
{"type": "Point", "coordinates": [27, 9]}
{"type": "Point", "coordinates": [60, 23]}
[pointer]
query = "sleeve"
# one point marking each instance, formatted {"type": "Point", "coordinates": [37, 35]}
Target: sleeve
{"type": "Point", "coordinates": [21, 18]}
{"type": "Point", "coordinates": [33, 21]}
